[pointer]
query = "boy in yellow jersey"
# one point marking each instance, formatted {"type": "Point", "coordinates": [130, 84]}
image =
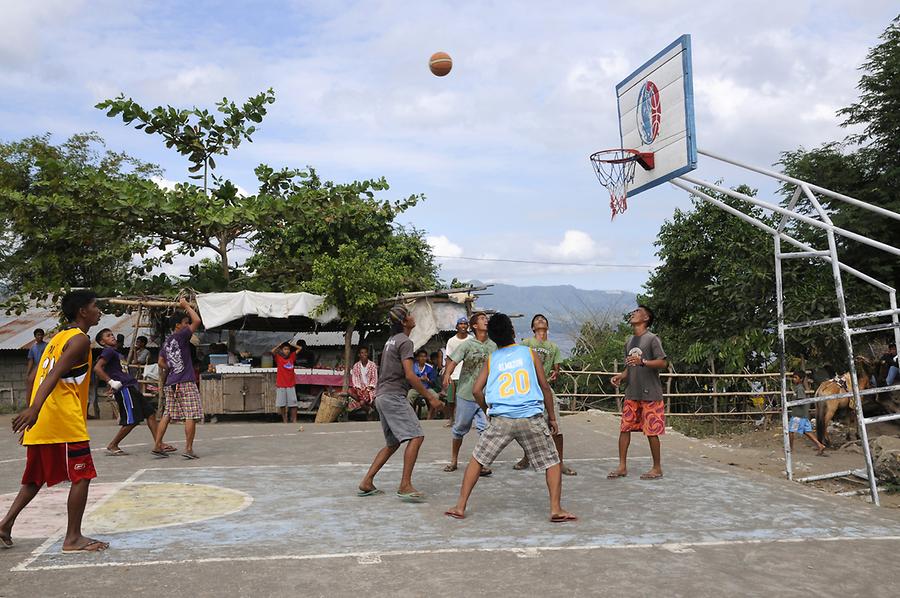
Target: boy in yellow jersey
{"type": "Point", "coordinates": [55, 423]}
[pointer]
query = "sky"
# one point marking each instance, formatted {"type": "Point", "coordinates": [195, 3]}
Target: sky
{"type": "Point", "coordinates": [499, 148]}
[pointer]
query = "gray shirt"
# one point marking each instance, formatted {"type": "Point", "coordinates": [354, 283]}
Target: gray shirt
{"type": "Point", "coordinates": [643, 382]}
{"type": "Point", "coordinates": [800, 410]}
{"type": "Point", "coordinates": [391, 376]}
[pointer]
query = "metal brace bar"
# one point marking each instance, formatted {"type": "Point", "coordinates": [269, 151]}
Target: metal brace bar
{"type": "Point", "coordinates": [850, 318]}
{"type": "Point", "coordinates": [837, 474]}
{"type": "Point", "coordinates": [843, 395]}
{"type": "Point", "coordinates": [802, 254]}
{"type": "Point", "coordinates": [881, 418]}
{"type": "Point", "coordinates": [874, 328]}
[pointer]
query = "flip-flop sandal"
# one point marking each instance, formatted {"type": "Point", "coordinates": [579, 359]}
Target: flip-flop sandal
{"type": "Point", "coordinates": [568, 471]}
{"type": "Point", "coordinates": [6, 543]}
{"type": "Point", "coordinates": [454, 515]}
{"type": "Point", "coordinates": [372, 492]}
{"type": "Point", "coordinates": [486, 473]}
{"type": "Point", "coordinates": [563, 518]}
{"type": "Point", "coordinates": [169, 449]}
{"type": "Point", "coordinates": [85, 548]}
{"type": "Point", "coordinates": [189, 456]}
{"type": "Point", "coordinates": [614, 475]}
{"type": "Point", "coordinates": [647, 476]}
{"type": "Point", "coordinates": [411, 497]}
{"type": "Point", "coordinates": [160, 454]}
{"type": "Point", "coordinates": [116, 453]}
{"type": "Point", "coordinates": [450, 468]}
{"type": "Point", "coordinates": [520, 466]}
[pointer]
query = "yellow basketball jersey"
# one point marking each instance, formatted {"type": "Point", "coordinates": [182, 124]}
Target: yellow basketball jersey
{"type": "Point", "coordinates": [63, 417]}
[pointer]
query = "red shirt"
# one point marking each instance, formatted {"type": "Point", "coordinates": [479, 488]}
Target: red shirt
{"type": "Point", "coordinates": [285, 377]}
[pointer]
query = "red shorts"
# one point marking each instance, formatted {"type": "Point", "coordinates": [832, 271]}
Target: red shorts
{"type": "Point", "coordinates": [54, 463]}
{"type": "Point", "coordinates": [648, 417]}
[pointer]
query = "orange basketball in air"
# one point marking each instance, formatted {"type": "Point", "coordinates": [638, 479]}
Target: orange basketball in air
{"type": "Point", "coordinates": [440, 63]}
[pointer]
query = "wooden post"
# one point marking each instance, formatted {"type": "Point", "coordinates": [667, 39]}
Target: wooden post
{"type": "Point", "coordinates": [348, 351]}
{"type": "Point", "coordinates": [712, 370]}
{"type": "Point", "coordinates": [669, 389]}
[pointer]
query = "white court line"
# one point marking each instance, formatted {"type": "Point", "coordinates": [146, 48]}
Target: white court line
{"type": "Point", "coordinates": [61, 532]}
{"type": "Point", "coordinates": [245, 437]}
{"type": "Point", "coordinates": [376, 556]}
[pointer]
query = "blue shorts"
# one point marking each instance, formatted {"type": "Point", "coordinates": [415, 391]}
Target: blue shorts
{"type": "Point", "coordinates": [800, 425]}
{"type": "Point", "coordinates": [467, 412]}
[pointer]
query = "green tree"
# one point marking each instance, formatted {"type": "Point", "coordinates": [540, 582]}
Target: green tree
{"type": "Point", "coordinates": [865, 165]}
{"type": "Point", "coordinates": [60, 219]}
{"type": "Point", "coordinates": [357, 279]}
{"type": "Point", "coordinates": [196, 217]}
{"type": "Point", "coordinates": [714, 294]}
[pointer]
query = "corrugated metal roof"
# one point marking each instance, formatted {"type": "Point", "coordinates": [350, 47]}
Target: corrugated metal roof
{"type": "Point", "coordinates": [17, 331]}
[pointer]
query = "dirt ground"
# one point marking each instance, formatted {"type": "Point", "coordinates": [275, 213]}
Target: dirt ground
{"type": "Point", "coordinates": [269, 510]}
{"type": "Point", "coordinates": [762, 450]}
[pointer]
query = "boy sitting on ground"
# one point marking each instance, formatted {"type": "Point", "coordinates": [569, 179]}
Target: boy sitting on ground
{"type": "Point", "coordinates": [133, 406]}
{"type": "Point", "coordinates": [513, 391]}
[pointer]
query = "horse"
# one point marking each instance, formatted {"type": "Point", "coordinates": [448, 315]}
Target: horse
{"type": "Point", "coordinates": [826, 410]}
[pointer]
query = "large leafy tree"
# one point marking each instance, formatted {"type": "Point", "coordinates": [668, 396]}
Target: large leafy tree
{"type": "Point", "coordinates": [866, 164]}
{"type": "Point", "coordinates": [714, 294]}
{"type": "Point", "coordinates": [212, 215]}
{"type": "Point", "coordinates": [61, 225]}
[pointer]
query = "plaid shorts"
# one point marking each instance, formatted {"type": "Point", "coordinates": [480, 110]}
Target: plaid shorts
{"type": "Point", "coordinates": [183, 401]}
{"type": "Point", "coordinates": [531, 433]}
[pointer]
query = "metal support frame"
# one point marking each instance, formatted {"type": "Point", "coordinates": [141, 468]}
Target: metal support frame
{"type": "Point", "coordinates": [807, 191]}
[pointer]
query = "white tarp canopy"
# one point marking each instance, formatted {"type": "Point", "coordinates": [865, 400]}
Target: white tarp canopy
{"type": "Point", "coordinates": [217, 309]}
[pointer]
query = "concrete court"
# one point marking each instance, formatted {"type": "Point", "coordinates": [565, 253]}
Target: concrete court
{"type": "Point", "coordinates": [268, 510]}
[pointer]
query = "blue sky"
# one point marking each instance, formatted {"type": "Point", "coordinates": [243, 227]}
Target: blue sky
{"type": "Point", "coordinates": [499, 147]}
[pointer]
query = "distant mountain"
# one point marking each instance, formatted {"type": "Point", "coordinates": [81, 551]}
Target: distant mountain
{"type": "Point", "coordinates": [565, 306]}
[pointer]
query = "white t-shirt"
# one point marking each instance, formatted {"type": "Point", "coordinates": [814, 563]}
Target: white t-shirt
{"type": "Point", "coordinates": [452, 345]}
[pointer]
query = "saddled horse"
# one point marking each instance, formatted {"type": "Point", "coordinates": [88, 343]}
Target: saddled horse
{"type": "Point", "coordinates": [827, 410]}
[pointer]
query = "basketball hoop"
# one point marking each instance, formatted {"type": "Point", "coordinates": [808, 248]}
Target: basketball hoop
{"type": "Point", "coordinates": [615, 170]}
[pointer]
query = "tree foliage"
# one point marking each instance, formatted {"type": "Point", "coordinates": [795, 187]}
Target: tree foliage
{"type": "Point", "coordinates": [61, 222]}
{"type": "Point", "coordinates": [865, 165]}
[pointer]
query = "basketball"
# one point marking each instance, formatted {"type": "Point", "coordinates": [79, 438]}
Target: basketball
{"type": "Point", "coordinates": [440, 63]}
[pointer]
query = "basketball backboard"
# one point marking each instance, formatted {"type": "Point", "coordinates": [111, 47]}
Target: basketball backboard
{"type": "Point", "coordinates": [656, 114]}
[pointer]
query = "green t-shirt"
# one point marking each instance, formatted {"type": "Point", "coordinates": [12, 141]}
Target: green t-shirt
{"type": "Point", "coordinates": [473, 354]}
{"type": "Point", "coordinates": [547, 350]}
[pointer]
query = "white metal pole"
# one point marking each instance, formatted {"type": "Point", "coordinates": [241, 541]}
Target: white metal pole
{"type": "Point", "coordinates": [782, 348]}
{"type": "Point", "coordinates": [854, 381]}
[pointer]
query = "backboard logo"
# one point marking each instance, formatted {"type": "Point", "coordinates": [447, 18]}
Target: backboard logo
{"type": "Point", "coordinates": [648, 112]}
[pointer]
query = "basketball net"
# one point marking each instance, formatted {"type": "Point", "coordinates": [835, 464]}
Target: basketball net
{"type": "Point", "coordinates": [615, 171]}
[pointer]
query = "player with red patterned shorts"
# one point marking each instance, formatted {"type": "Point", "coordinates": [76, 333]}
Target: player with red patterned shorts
{"type": "Point", "coordinates": [54, 424]}
{"type": "Point", "coordinates": [643, 409]}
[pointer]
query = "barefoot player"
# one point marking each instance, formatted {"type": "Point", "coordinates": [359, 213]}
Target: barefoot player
{"type": "Point", "coordinates": [55, 424]}
{"type": "Point", "coordinates": [644, 409]}
{"type": "Point", "coordinates": [551, 360]}
{"type": "Point", "coordinates": [512, 389]}
{"type": "Point", "coordinates": [398, 419]}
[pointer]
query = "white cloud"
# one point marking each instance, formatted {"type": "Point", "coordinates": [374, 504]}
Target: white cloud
{"type": "Point", "coordinates": [443, 246]}
{"type": "Point", "coordinates": [575, 245]}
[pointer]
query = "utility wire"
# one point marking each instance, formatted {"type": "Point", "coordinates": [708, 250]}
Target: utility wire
{"type": "Point", "coordinates": [490, 259]}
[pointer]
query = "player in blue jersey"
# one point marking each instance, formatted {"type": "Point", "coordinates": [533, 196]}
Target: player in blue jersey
{"type": "Point", "coordinates": [513, 391]}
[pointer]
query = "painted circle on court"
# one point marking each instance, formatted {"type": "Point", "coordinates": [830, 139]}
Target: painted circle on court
{"type": "Point", "coordinates": [649, 112]}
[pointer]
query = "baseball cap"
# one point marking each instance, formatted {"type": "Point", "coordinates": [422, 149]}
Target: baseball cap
{"type": "Point", "coordinates": [462, 320]}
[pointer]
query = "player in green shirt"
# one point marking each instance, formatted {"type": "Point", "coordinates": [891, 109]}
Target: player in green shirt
{"type": "Point", "coordinates": [473, 354]}
{"type": "Point", "coordinates": [551, 359]}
